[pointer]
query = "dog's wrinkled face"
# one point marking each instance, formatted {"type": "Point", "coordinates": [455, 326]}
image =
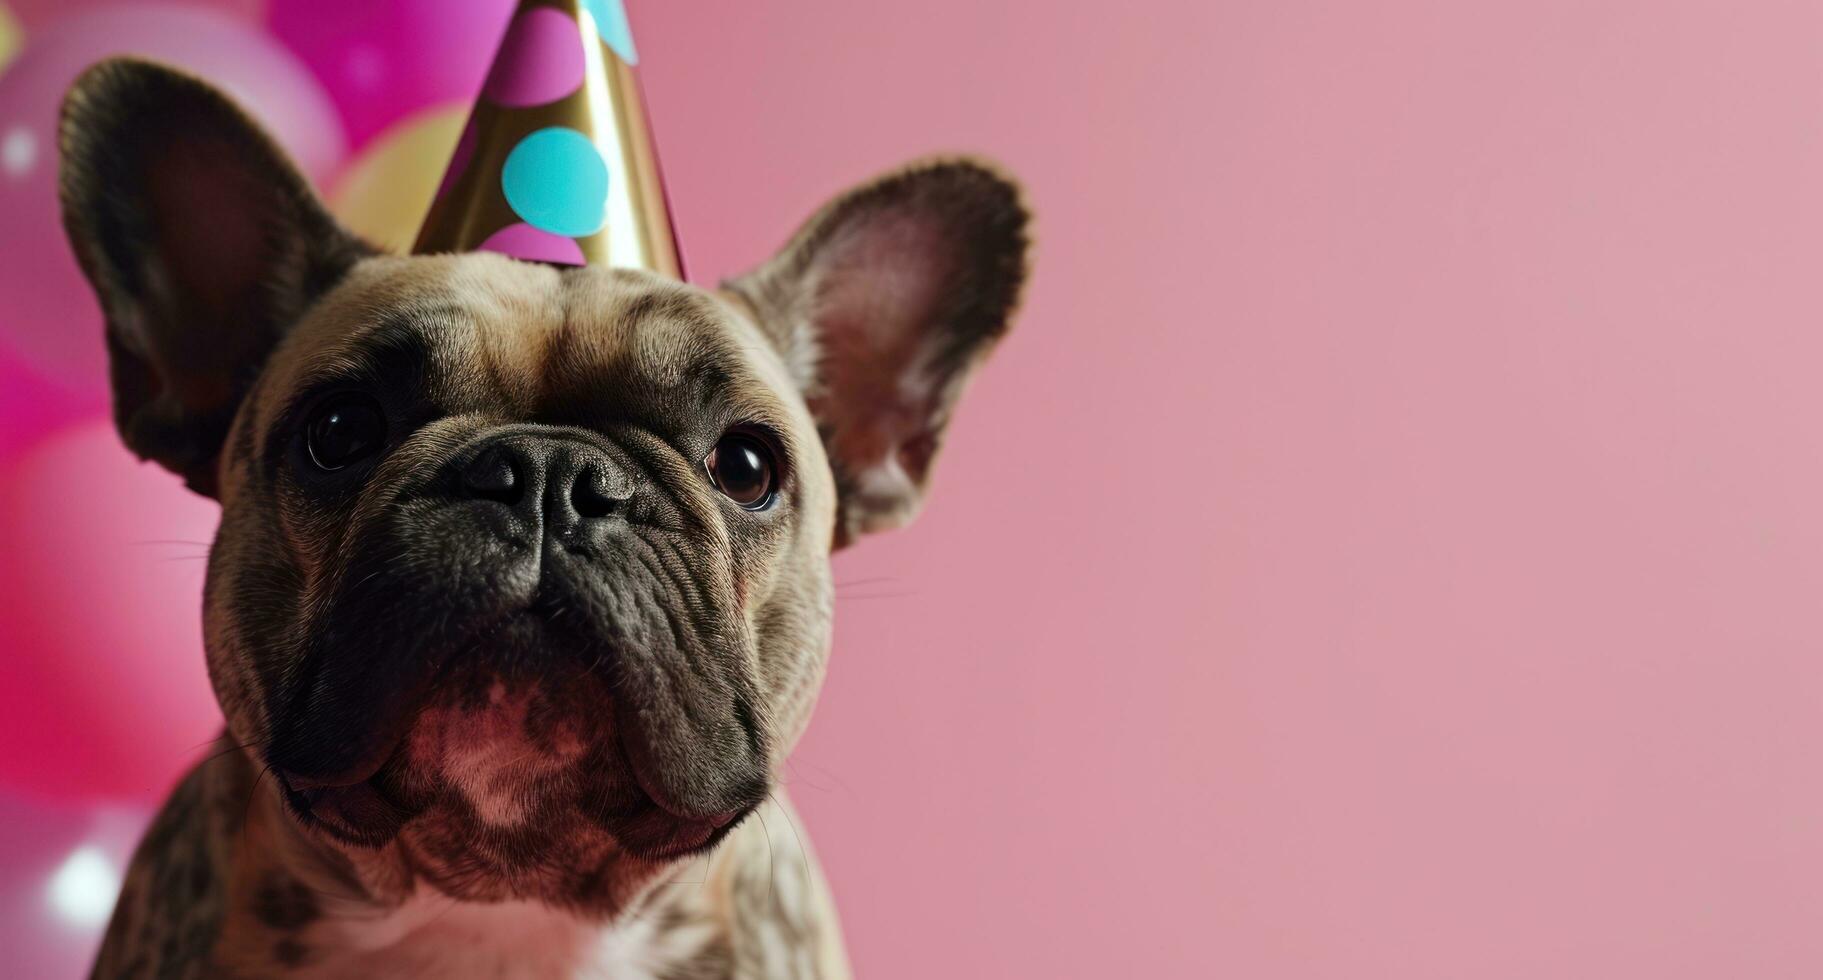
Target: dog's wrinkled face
{"type": "Point", "coordinates": [522, 568]}
{"type": "Point", "coordinates": [522, 548]}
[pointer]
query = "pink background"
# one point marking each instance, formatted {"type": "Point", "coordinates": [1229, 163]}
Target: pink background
{"type": "Point", "coordinates": [1389, 545]}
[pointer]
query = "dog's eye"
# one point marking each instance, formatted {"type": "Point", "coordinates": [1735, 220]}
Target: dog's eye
{"type": "Point", "coordinates": [343, 430]}
{"type": "Point", "coordinates": [741, 466]}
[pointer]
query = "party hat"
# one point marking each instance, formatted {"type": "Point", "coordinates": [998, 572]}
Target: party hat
{"type": "Point", "coordinates": [556, 163]}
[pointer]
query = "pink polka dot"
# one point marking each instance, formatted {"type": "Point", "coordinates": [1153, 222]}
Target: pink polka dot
{"type": "Point", "coordinates": [540, 60]}
{"type": "Point", "coordinates": [522, 241]}
{"type": "Point", "coordinates": [458, 161]}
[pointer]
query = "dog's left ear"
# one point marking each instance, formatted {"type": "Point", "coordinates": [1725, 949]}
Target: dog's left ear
{"type": "Point", "coordinates": [203, 243]}
{"type": "Point", "coordinates": [883, 305]}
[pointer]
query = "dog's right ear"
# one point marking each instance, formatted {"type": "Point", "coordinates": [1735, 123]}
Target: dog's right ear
{"type": "Point", "coordinates": [203, 243]}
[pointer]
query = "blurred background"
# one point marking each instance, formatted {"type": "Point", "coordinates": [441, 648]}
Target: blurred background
{"type": "Point", "coordinates": [1388, 545]}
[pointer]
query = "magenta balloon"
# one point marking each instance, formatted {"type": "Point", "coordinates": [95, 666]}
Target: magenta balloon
{"type": "Point", "coordinates": [103, 689]}
{"type": "Point", "coordinates": [60, 871]}
{"type": "Point", "coordinates": [32, 405]}
{"type": "Point", "coordinates": [39, 14]}
{"type": "Point", "coordinates": [384, 61]}
{"type": "Point", "coordinates": [51, 318]}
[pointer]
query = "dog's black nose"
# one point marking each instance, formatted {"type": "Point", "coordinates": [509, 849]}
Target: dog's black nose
{"type": "Point", "coordinates": [564, 480]}
{"type": "Point", "coordinates": [493, 475]}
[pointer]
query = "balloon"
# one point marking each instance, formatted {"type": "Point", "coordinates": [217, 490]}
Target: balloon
{"type": "Point", "coordinates": [383, 61]}
{"type": "Point", "coordinates": [50, 314]}
{"type": "Point", "coordinates": [103, 690]}
{"type": "Point", "coordinates": [10, 37]}
{"type": "Point", "coordinates": [31, 405]}
{"type": "Point", "coordinates": [60, 870]}
{"type": "Point", "coordinates": [38, 13]}
{"type": "Point", "coordinates": [383, 195]}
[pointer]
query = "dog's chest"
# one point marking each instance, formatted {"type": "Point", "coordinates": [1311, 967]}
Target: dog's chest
{"type": "Point", "coordinates": [434, 936]}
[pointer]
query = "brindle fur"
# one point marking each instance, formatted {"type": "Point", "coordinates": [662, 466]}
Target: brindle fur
{"type": "Point", "coordinates": [444, 757]}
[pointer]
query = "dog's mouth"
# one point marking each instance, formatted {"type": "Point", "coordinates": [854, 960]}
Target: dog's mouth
{"type": "Point", "coordinates": [506, 750]}
{"type": "Point", "coordinates": [533, 723]}
{"type": "Point", "coordinates": [358, 813]}
{"type": "Point", "coordinates": [369, 814]}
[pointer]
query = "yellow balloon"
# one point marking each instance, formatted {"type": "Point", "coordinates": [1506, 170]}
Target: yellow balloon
{"type": "Point", "coordinates": [384, 194]}
{"type": "Point", "coordinates": [10, 36]}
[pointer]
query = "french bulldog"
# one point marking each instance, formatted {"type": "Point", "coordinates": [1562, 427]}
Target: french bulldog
{"type": "Point", "coordinates": [521, 594]}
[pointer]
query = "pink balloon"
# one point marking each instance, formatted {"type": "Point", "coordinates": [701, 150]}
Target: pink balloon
{"type": "Point", "coordinates": [103, 689]}
{"type": "Point", "coordinates": [60, 871]}
{"type": "Point", "coordinates": [50, 316]}
{"type": "Point", "coordinates": [383, 61]}
{"type": "Point", "coordinates": [32, 405]}
{"type": "Point", "coordinates": [39, 14]}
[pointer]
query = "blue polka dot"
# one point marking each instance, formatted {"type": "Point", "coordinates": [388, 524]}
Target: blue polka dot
{"type": "Point", "coordinates": [556, 180]}
{"type": "Point", "coordinates": [611, 23]}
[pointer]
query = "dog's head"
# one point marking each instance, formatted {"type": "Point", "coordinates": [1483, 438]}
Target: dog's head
{"type": "Point", "coordinates": [525, 567]}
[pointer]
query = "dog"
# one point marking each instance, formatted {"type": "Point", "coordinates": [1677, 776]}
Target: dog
{"type": "Point", "coordinates": [521, 594]}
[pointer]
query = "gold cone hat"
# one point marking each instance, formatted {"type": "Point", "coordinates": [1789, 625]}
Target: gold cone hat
{"type": "Point", "coordinates": [556, 163]}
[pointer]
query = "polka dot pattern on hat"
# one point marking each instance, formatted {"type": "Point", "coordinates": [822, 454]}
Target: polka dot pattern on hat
{"type": "Point", "coordinates": [540, 60]}
{"type": "Point", "coordinates": [610, 18]}
{"type": "Point", "coordinates": [556, 180]}
{"type": "Point", "coordinates": [556, 163]}
{"type": "Point", "coordinates": [522, 241]}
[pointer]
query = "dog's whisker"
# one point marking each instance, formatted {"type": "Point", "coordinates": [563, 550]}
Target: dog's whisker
{"type": "Point", "coordinates": [772, 863]}
{"type": "Point", "coordinates": [875, 580]}
{"type": "Point", "coordinates": [803, 862]}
